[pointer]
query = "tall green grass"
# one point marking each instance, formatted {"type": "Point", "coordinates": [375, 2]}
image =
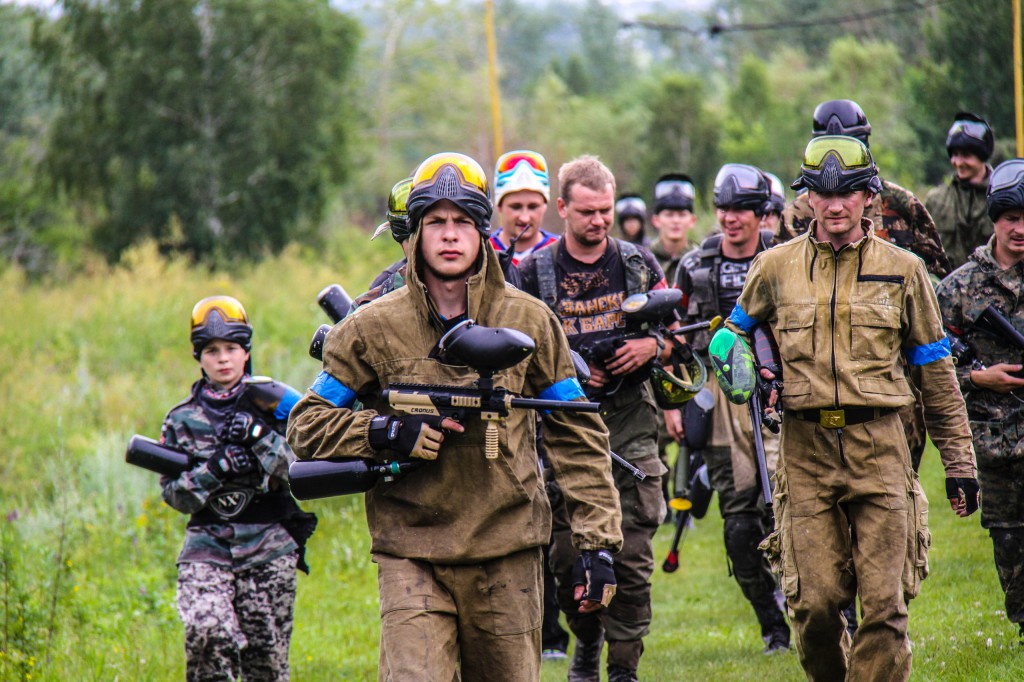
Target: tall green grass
{"type": "Point", "coordinates": [87, 548]}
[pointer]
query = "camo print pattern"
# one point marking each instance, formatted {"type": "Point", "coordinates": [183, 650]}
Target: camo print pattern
{"type": "Point", "coordinates": [997, 419]}
{"type": "Point", "coordinates": [961, 216]}
{"type": "Point", "coordinates": [237, 623]}
{"type": "Point", "coordinates": [899, 217]}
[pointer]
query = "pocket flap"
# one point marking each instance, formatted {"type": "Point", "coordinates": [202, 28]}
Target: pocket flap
{"type": "Point", "coordinates": [886, 316]}
{"type": "Point", "coordinates": [796, 316]}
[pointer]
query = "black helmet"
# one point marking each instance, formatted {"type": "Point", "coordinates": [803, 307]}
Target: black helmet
{"type": "Point", "coordinates": [841, 117]}
{"type": "Point", "coordinates": [838, 163]}
{"type": "Point", "coordinates": [778, 190]}
{"type": "Point", "coordinates": [219, 317]}
{"type": "Point", "coordinates": [745, 187]}
{"type": "Point", "coordinates": [630, 206]}
{"type": "Point", "coordinates": [1006, 188]}
{"type": "Point", "coordinates": [972, 134]}
{"type": "Point", "coordinates": [454, 177]}
{"type": "Point", "coordinates": [673, 191]}
{"type": "Point", "coordinates": [398, 215]}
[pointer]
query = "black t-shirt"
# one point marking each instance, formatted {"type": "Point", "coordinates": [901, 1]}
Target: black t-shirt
{"type": "Point", "coordinates": [732, 275]}
{"type": "Point", "coordinates": [589, 295]}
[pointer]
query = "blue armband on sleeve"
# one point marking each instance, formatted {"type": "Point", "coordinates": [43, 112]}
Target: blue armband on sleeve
{"type": "Point", "coordinates": [740, 318]}
{"type": "Point", "coordinates": [928, 353]}
{"type": "Point", "coordinates": [333, 391]}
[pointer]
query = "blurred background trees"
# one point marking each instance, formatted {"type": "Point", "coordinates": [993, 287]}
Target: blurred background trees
{"type": "Point", "coordinates": [226, 129]}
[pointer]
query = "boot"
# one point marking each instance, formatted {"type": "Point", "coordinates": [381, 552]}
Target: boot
{"type": "Point", "coordinates": [619, 674]}
{"type": "Point", "coordinates": [586, 660]}
{"type": "Point", "coordinates": [774, 630]}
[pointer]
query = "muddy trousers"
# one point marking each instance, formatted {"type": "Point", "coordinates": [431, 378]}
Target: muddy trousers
{"type": "Point", "coordinates": [832, 482]}
{"type": "Point", "coordinates": [1008, 547]}
{"type": "Point", "coordinates": [237, 623]}
{"type": "Point", "coordinates": [478, 620]}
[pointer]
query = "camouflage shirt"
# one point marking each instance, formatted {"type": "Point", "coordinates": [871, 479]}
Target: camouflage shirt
{"type": "Point", "coordinates": [962, 297]}
{"type": "Point", "coordinates": [961, 215]}
{"type": "Point", "coordinates": [898, 217]}
{"type": "Point", "coordinates": [193, 426]}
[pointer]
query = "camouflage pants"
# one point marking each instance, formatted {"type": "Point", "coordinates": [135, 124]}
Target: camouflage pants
{"type": "Point", "coordinates": [633, 430]}
{"type": "Point", "coordinates": [1002, 512]}
{"type": "Point", "coordinates": [237, 623]}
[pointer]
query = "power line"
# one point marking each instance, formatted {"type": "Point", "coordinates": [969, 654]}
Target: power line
{"type": "Point", "coordinates": [713, 30]}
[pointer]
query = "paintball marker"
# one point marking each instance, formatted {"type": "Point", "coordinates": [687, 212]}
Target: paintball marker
{"type": "Point", "coordinates": [334, 301]}
{"type": "Point", "coordinates": [486, 350]}
{"type": "Point", "coordinates": [991, 322]}
{"type": "Point", "coordinates": [153, 456]}
{"type": "Point", "coordinates": [694, 505]}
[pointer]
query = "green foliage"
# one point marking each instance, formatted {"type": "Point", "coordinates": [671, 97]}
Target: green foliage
{"type": "Point", "coordinates": [225, 115]}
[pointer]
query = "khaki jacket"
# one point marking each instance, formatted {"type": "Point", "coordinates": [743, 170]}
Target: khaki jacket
{"type": "Point", "coordinates": [463, 507]}
{"type": "Point", "coordinates": [842, 319]}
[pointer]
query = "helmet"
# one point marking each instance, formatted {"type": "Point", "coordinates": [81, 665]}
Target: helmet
{"type": "Point", "coordinates": [680, 381]}
{"type": "Point", "coordinates": [398, 217]}
{"type": "Point", "coordinates": [837, 163]}
{"type": "Point", "coordinates": [454, 177]}
{"type": "Point", "coordinates": [521, 170]}
{"type": "Point", "coordinates": [219, 317]}
{"type": "Point", "coordinates": [972, 134]}
{"type": "Point", "coordinates": [1006, 188]}
{"type": "Point", "coordinates": [630, 206]}
{"type": "Point", "coordinates": [673, 191]}
{"type": "Point", "coordinates": [778, 196]}
{"type": "Point", "coordinates": [743, 187]}
{"type": "Point", "coordinates": [841, 117]}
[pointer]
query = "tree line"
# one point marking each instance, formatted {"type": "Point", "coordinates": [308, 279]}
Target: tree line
{"type": "Point", "coordinates": [227, 129]}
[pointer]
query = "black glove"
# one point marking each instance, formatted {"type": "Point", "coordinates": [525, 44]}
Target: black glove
{"type": "Point", "coordinates": [231, 462]}
{"type": "Point", "coordinates": [965, 489]}
{"type": "Point", "coordinates": [245, 429]}
{"type": "Point", "coordinates": [411, 435]}
{"type": "Point", "coordinates": [593, 576]}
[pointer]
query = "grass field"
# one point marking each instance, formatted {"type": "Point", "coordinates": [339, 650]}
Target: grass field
{"type": "Point", "coordinates": [87, 557]}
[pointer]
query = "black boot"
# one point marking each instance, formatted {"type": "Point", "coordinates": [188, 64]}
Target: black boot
{"type": "Point", "coordinates": [774, 629]}
{"type": "Point", "coordinates": [586, 661]}
{"type": "Point", "coordinates": [617, 674]}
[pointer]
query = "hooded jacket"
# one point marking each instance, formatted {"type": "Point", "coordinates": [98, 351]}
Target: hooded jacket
{"type": "Point", "coordinates": [841, 320]}
{"type": "Point", "coordinates": [462, 507]}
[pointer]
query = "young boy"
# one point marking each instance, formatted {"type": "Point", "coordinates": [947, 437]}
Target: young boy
{"type": "Point", "coordinates": [245, 535]}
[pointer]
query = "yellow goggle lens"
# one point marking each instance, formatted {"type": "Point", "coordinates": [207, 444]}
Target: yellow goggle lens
{"type": "Point", "coordinates": [848, 151]}
{"type": "Point", "coordinates": [397, 202]}
{"type": "Point", "coordinates": [229, 308]}
{"type": "Point", "coordinates": [471, 171]}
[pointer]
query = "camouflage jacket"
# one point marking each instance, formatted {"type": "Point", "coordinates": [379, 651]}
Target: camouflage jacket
{"type": "Point", "coordinates": [669, 265]}
{"type": "Point", "coordinates": [996, 418]}
{"type": "Point", "coordinates": [842, 319]}
{"type": "Point", "coordinates": [462, 507]}
{"type": "Point", "coordinates": [961, 215]}
{"type": "Point", "coordinates": [898, 217]}
{"type": "Point", "coordinates": [193, 426]}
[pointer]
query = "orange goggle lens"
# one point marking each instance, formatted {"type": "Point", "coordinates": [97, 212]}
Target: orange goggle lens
{"type": "Point", "coordinates": [507, 162]}
{"type": "Point", "coordinates": [229, 308]}
{"type": "Point", "coordinates": [472, 174]}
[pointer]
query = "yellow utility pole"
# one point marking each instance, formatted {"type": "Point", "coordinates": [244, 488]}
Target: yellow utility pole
{"type": "Point", "coordinates": [492, 69]}
{"type": "Point", "coordinates": [1018, 80]}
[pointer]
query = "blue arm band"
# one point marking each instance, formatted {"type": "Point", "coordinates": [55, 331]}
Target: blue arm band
{"type": "Point", "coordinates": [566, 389]}
{"type": "Point", "coordinates": [930, 352]}
{"type": "Point", "coordinates": [333, 391]}
{"type": "Point", "coordinates": [284, 407]}
{"type": "Point", "coordinates": [740, 318]}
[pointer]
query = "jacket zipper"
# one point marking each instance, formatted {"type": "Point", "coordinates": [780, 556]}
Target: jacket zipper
{"type": "Point", "coordinates": [835, 375]}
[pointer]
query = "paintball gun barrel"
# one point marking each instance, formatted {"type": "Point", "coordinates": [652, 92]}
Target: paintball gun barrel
{"type": "Point", "coordinates": [156, 457]}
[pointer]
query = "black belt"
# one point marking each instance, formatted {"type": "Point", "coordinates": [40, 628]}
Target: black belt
{"type": "Point", "coordinates": [837, 419]}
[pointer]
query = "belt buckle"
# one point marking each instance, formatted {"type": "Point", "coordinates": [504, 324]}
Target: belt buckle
{"type": "Point", "coordinates": [832, 419]}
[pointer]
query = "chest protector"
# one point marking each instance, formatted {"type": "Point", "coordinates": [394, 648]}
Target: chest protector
{"type": "Point", "coordinates": [704, 277]}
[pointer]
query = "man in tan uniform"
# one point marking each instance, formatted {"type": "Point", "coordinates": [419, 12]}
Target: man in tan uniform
{"type": "Point", "coordinates": [458, 541]}
{"type": "Point", "coordinates": [850, 515]}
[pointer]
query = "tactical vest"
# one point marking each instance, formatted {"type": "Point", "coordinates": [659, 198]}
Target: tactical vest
{"type": "Point", "coordinates": [638, 275]}
{"type": "Point", "coordinates": [704, 280]}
